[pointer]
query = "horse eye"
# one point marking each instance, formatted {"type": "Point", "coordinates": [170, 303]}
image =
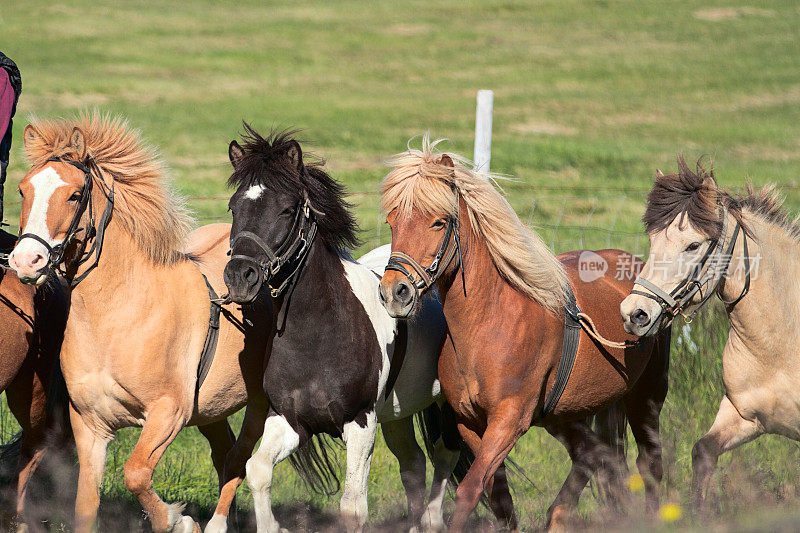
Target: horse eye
{"type": "Point", "coordinates": [76, 197]}
{"type": "Point", "coordinates": [438, 224]}
{"type": "Point", "coordinates": [692, 247]}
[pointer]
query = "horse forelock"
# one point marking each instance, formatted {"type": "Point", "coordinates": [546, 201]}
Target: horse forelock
{"type": "Point", "coordinates": [419, 180]}
{"type": "Point", "coordinates": [263, 163]}
{"type": "Point", "coordinates": [144, 205]}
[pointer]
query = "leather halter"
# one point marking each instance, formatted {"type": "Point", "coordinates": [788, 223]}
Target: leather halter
{"type": "Point", "coordinates": [96, 233]}
{"type": "Point", "coordinates": [717, 255]}
{"type": "Point", "coordinates": [286, 262]}
{"type": "Point", "coordinates": [426, 276]}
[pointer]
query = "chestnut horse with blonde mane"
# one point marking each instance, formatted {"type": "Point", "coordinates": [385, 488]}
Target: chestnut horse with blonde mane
{"type": "Point", "coordinates": [140, 306]}
{"type": "Point", "coordinates": [504, 295]}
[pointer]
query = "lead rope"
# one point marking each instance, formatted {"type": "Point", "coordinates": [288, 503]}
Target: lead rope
{"type": "Point", "coordinates": [588, 326]}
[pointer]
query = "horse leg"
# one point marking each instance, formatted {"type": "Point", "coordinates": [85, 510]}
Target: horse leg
{"type": "Point", "coordinates": [586, 454]}
{"type": "Point", "coordinates": [91, 449]}
{"type": "Point", "coordinates": [401, 441]}
{"type": "Point", "coordinates": [728, 431]}
{"type": "Point", "coordinates": [221, 439]}
{"type": "Point", "coordinates": [278, 442]}
{"type": "Point", "coordinates": [490, 451]}
{"type": "Point", "coordinates": [444, 461]}
{"type": "Point", "coordinates": [360, 442]}
{"type": "Point", "coordinates": [234, 469]}
{"type": "Point", "coordinates": [163, 423]}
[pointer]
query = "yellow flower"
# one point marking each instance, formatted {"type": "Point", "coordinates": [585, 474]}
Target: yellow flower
{"type": "Point", "coordinates": [670, 512]}
{"type": "Point", "coordinates": [635, 483]}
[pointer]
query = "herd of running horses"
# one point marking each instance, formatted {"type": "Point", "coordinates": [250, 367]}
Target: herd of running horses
{"type": "Point", "coordinates": [115, 314]}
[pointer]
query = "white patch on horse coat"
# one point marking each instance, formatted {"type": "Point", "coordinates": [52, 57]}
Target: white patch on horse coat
{"type": "Point", "coordinates": [278, 442]}
{"type": "Point", "coordinates": [364, 284]}
{"type": "Point", "coordinates": [254, 192]}
{"type": "Point", "coordinates": [44, 184]}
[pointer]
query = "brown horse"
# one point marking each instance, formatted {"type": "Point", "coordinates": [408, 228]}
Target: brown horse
{"type": "Point", "coordinates": [95, 207]}
{"type": "Point", "coordinates": [504, 296]}
{"type": "Point", "coordinates": [30, 340]}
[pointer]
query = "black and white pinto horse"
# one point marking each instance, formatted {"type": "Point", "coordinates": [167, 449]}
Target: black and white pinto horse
{"type": "Point", "coordinates": [339, 363]}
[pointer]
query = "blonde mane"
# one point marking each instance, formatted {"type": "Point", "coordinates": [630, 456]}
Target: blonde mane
{"type": "Point", "coordinates": [419, 180]}
{"type": "Point", "coordinates": [143, 203]}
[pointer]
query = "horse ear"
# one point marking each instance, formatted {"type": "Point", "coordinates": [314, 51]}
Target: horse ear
{"type": "Point", "coordinates": [78, 143]}
{"type": "Point", "coordinates": [295, 154]}
{"type": "Point", "coordinates": [235, 153]}
{"type": "Point", "coordinates": [659, 174]}
{"type": "Point", "coordinates": [29, 134]}
{"type": "Point", "coordinates": [446, 161]}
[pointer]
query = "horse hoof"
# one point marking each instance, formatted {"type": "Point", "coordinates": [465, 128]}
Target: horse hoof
{"type": "Point", "coordinates": [186, 525]}
{"type": "Point", "coordinates": [217, 524]}
{"type": "Point", "coordinates": [558, 520]}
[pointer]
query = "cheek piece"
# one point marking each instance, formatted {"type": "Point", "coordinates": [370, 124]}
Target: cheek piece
{"type": "Point", "coordinates": [422, 278]}
{"type": "Point", "coordinates": [92, 232]}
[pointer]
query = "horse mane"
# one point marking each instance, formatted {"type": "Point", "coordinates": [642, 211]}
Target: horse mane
{"type": "Point", "coordinates": [418, 179]}
{"type": "Point", "coordinates": [144, 205]}
{"type": "Point", "coordinates": [264, 163]}
{"type": "Point", "coordinates": [695, 196]}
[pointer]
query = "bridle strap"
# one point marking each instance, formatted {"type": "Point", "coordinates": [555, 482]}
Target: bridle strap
{"type": "Point", "coordinates": [426, 277]}
{"type": "Point", "coordinates": [291, 252]}
{"type": "Point", "coordinates": [56, 253]}
{"type": "Point", "coordinates": [673, 303]}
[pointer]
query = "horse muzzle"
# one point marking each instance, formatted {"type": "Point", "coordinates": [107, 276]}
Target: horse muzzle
{"type": "Point", "coordinates": [398, 296]}
{"type": "Point", "coordinates": [244, 280]}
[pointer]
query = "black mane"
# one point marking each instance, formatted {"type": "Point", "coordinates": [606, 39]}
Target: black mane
{"type": "Point", "coordinates": [264, 163]}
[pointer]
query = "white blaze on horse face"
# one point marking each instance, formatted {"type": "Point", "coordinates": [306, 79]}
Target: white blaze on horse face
{"type": "Point", "coordinates": [45, 183]}
{"type": "Point", "coordinates": [254, 192]}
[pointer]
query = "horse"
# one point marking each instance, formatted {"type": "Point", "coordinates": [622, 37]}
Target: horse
{"type": "Point", "coordinates": [704, 241]}
{"type": "Point", "coordinates": [339, 365]}
{"type": "Point", "coordinates": [504, 296]}
{"type": "Point", "coordinates": [96, 211]}
{"type": "Point", "coordinates": [30, 340]}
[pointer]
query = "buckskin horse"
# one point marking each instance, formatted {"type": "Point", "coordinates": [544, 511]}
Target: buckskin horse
{"type": "Point", "coordinates": [30, 340]}
{"type": "Point", "coordinates": [506, 299]}
{"type": "Point", "coordinates": [703, 242]}
{"type": "Point", "coordinates": [95, 207]}
{"type": "Point", "coordinates": [339, 363]}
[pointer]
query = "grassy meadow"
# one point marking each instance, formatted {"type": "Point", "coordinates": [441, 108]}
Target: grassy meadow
{"type": "Point", "coordinates": [590, 98]}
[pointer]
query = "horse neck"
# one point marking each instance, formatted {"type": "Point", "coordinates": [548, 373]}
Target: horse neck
{"type": "Point", "coordinates": [774, 269]}
{"type": "Point", "coordinates": [481, 283]}
{"type": "Point", "coordinates": [322, 270]}
{"type": "Point", "coordinates": [124, 273]}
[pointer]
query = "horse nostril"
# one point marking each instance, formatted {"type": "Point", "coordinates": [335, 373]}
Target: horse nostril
{"type": "Point", "coordinates": [640, 318]}
{"type": "Point", "coordinates": [402, 292]}
{"type": "Point", "coordinates": [250, 275]}
{"type": "Point", "coordinates": [38, 258]}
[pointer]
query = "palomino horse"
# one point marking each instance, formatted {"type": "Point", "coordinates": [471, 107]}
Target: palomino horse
{"type": "Point", "coordinates": [30, 340]}
{"type": "Point", "coordinates": [703, 242]}
{"type": "Point", "coordinates": [339, 363]}
{"type": "Point", "coordinates": [504, 296]}
{"type": "Point", "coordinates": [141, 314]}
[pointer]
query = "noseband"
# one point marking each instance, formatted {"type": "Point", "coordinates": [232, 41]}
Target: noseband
{"type": "Point", "coordinates": [56, 253]}
{"type": "Point", "coordinates": [426, 276]}
{"type": "Point", "coordinates": [289, 256]}
{"type": "Point", "coordinates": [674, 302]}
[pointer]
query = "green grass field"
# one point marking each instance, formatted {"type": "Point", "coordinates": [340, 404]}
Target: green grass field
{"type": "Point", "coordinates": [590, 98]}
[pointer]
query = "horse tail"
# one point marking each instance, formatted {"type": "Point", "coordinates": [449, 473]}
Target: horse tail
{"type": "Point", "coordinates": [316, 465]}
{"type": "Point", "coordinates": [611, 427]}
